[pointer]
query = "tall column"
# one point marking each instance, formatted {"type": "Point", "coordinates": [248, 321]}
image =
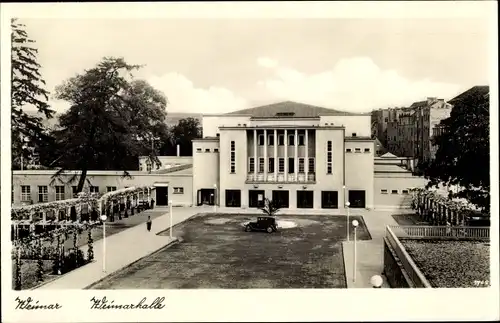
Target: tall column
{"type": "Point", "coordinates": [255, 160]}
{"type": "Point", "coordinates": [306, 158]}
{"type": "Point", "coordinates": [296, 153]}
{"type": "Point", "coordinates": [285, 155]}
{"type": "Point", "coordinates": [275, 154]}
{"type": "Point", "coordinates": [265, 155]}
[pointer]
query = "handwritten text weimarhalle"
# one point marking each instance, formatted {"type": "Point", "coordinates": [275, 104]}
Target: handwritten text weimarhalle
{"type": "Point", "coordinates": [104, 304]}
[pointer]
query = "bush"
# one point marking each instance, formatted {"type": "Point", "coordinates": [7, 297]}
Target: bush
{"type": "Point", "coordinates": [73, 260]}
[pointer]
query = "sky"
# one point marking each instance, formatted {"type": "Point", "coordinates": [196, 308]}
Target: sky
{"type": "Point", "coordinates": [223, 65]}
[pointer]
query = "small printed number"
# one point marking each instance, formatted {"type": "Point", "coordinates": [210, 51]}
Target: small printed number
{"type": "Point", "coordinates": [481, 283]}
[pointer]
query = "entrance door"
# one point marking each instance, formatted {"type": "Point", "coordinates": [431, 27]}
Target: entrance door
{"type": "Point", "coordinates": [329, 200]}
{"type": "Point", "coordinates": [233, 198]}
{"type": "Point", "coordinates": [305, 199]}
{"type": "Point", "coordinates": [281, 199]}
{"type": "Point", "coordinates": [206, 196]}
{"type": "Point", "coordinates": [256, 198]}
{"type": "Point", "coordinates": [357, 199]}
{"type": "Point", "coordinates": [161, 195]}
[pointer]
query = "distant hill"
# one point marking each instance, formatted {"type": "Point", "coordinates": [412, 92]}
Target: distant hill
{"type": "Point", "coordinates": [172, 118]}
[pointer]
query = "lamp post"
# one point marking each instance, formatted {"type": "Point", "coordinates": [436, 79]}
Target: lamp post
{"type": "Point", "coordinates": [171, 215]}
{"type": "Point", "coordinates": [103, 219]}
{"type": "Point", "coordinates": [215, 197]}
{"type": "Point", "coordinates": [347, 209]}
{"type": "Point", "coordinates": [376, 281]}
{"type": "Point", "coordinates": [355, 225]}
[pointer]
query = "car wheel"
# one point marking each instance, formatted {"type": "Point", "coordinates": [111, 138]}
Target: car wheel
{"type": "Point", "coordinates": [270, 230]}
{"type": "Point", "coordinates": [248, 229]}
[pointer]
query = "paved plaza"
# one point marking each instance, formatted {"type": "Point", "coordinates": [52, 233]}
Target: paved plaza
{"type": "Point", "coordinates": [217, 253]}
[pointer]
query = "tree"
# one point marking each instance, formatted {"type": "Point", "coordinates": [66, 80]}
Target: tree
{"type": "Point", "coordinates": [270, 207]}
{"type": "Point", "coordinates": [463, 155]}
{"type": "Point", "coordinates": [27, 91]}
{"type": "Point", "coordinates": [182, 134]}
{"type": "Point", "coordinates": [112, 119]}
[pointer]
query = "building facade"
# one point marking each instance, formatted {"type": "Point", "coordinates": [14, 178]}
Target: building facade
{"type": "Point", "coordinates": [301, 156]}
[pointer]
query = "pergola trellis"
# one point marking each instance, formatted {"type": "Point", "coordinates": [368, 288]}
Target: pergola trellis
{"type": "Point", "coordinates": [85, 209]}
{"type": "Point", "coordinates": [438, 208]}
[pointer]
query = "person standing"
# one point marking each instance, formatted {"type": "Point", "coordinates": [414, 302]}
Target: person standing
{"type": "Point", "coordinates": [149, 223]}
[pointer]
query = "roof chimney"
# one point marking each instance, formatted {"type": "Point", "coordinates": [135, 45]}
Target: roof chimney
{"type": "Point", "coordinates": [178, 150]}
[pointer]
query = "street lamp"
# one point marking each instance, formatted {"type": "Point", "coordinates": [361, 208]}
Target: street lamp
{"type": "Point", "coordinates": [103, 219]}
{"type": "Point", "coordinates": [215, 197]}
{"type": "Point", "coordinates": [171, 215]}
{"type": "Point", "coordinates": [355, 225]}
{"type": "Point", "coordinates": [347, 209]}
{"type": "Point", "coordinates": [376, 281]}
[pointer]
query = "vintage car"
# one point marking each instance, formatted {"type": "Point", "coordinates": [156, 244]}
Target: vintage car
{"type": "Point", "coordinates": [263, 223]}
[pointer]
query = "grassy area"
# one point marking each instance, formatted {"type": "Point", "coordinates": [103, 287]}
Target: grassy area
{"type": "Point", "coordinates": [217, 253]}
{"type": "Point", "coordinates": [28, 267]}
{"type": "Point", "coordinates": [409, 219]}
{"type": "Point", "coordinates": [451, 264]}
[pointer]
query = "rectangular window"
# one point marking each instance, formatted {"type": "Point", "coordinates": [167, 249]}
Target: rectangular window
{"type": "Point", "coordinates": [311, 165]}
{"type": "Point", "coordinates": [281, 165]}
{"type": "Point", "coordinates": [261, 165]}
{"type": "Point", "coordinates": [178, 190]}
{"type": "Point", "coordinates": [110, 188]}
{"type": "Point", "coordinates": [270, 139]}
{"type": "Point", "coordinates": [291, 140]}
{"type": "Point", "coordinates": [367, 150]}
{"type": "Point", "coordinates": [405, 191]}
{"type": "Point", "coordinates": [233, 158]}
{"type": "Point", "coordinates": [383, 191]}
{"type": "Point", "coordinates": [358, 150]}
{"type": "Point", "coordinates": [394, 192]}
{"type": "Point", "coordinates": [73, 190]}
{"type": "Point", "coordinates": [60, 193]}
{"type": "Point", "coordinates": [207, 150]}
{"type": "Point", "coordinates": [216, 150]}
{"type": "Point", "coordinates": [43, 194]}
{"type": "Point", "coordinates": [354, 134]}
{"type": "Point", "coordinates": [94, 189]}
{"type": "Point", "coordinates": [291, 165]}
{"type": "Point", "coordinates": [301, 165]}
{"type": "Point", "coordinates": [349, 150]}
{"type": "Point", "coordinates": [261, 139]}
{"type": "Point", "coordinates": [271, 165]}
{"type": "Point", "coordinates": [251, 165]}
{"type": "Point", "coordinates": [329, 167]}
{"type": "Point", "coordinates": [281, 140]}
{"type": "Point", "coordinates": [198, 150]}
{"type": "Point", "coordinates": [25, 193]}
{"type": "Point", "coordinates": [302, 140]}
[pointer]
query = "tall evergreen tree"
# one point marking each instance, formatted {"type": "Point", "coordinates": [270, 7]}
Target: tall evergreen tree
{"type": "Point", "coordinates": [27, 91]}
{"type": "Point", "coordinates": [463, 155]}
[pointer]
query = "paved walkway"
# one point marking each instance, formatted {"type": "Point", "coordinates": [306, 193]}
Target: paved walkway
{"type": "Point", "coordinates": [370, 253]}
{"type": "Point", "coordinates": [122, 249]}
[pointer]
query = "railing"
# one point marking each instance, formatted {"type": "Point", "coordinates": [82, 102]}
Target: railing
{"type": "Point", "coordinates": [280, 177]}
{"type": "Point", "coordinates": [439, 232]}
{"type": "Point", "coordinates": [414, 274]}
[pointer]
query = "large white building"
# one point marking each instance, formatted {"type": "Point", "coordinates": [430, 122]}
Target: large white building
{"type": "Point", "coordinates": [303, 156]}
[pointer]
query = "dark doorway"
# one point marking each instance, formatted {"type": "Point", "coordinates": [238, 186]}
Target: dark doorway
{"type": "Point", "coordinates": [161, 195]}
{"type": "Point", "coordinates": [305, 199]}
{"type": "Point", "coordinates": [256, 198]}
{"type": "Point", "coordinates": [281, 198]}
{"type": "Point", "coordinates": [329, 200]}
{"type": "Point", "coordinates": [233, 198]}
{"type": "Point", "coordinates": [357, 199]}
{"type": "Point", "coordinates": [206, 196]}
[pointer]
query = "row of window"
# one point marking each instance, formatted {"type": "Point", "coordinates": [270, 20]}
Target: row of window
{"type": "Point", "coordinates": [281, 165]}
{"type": "Point", "coordinates": [357, 150]}
{"type": "Point", "coordinates": [281, 140]}
{"type": "Point", "coordinates": [233, 158]}
{"type": "Point", "coordinates": [385, 191]}
{"type": "Point", "coordinates": [60, 191]}
{"type": "Point", "coordinates": [207, 150]}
